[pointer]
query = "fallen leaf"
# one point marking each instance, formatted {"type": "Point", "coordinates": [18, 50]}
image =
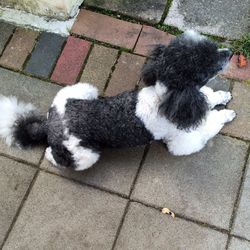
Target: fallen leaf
{"type": "Point", "coordinates": [242, 61]}
{"type": "Point", "coordinates": [165, 210]}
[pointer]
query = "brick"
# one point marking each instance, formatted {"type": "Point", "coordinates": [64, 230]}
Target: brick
{"type": "Point", "coordinates": [240, 126]}
{"type": "Point", "coordinates": [233, 71]}
{"type": "Point", "coordinates": [6, 31]}
{"type": "Point", "coordinates": [111, 172]}
{"type": "Point", "coordinates": [18, 49]}
{"type": "Point", "coordinates": [70, 61]}
{"type": "Point", "coordinates": [60, 214]}
{"type": "Point", "coordinates": [147, 228]}
{"type": "Point", "coordinates": [238, 244]}
{"type": "Point", "coordinates": [99, 66]}
{"type": "Point", "coordinates": [242, 221]}
{"type": "Point", "coordinates": [106, 29]}
{"type": "Point", "coordinates": [150, 37]}
{"type": "Point", "coordinates": [45, 54]}
{"type": "Point", "coordinates": [31, 90]}
{"type": "Point", "coordinates": [126, 74]}
{"type": "Point", "coordinates": [15, 179]}
{"type": "Point", "coordinates": [202, 186]}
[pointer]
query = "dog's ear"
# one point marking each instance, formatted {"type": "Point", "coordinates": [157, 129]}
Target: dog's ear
{"type": "Point", "coordinates": [184, 107]}
{"type": "Point", "coordinates": [150, 69]}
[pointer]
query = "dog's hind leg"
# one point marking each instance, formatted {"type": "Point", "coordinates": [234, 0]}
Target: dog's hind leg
{"type": "Point", "coordinates": [216, 97]}
{"type": "Point", "coordinates": [82, 91]}
{"type": "Point", "coordinates": [185, 143]}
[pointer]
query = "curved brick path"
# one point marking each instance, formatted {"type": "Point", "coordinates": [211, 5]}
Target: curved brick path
{"type": "Point", "coordinates": [116, 204]}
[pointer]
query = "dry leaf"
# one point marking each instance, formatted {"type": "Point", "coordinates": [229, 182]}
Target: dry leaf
{"type": "Point", "coordinates": [242, 61]}
{"type": "Point", "coordinates": [165, 210]}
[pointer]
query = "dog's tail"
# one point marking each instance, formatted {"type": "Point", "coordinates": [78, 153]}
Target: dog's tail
{"type": "Point", "coordinates": [21, 124]}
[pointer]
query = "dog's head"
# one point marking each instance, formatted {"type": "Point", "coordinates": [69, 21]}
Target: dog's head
{"type": "Point", "coordinates": [184, 66]}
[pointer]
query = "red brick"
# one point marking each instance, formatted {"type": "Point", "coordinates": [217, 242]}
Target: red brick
{"type": "Point", "coordinates": [149, 37]}
{"type": "Point", "coordinates": [126, 74]}
{"type": "Point", "coordinates": [106, 29]}
{"type": "Point", "coordinates": [19, 47]}
{"type": "Point", "coordinates": [71, 60]}
{"type": "Point", "coordinates": [235, 72]}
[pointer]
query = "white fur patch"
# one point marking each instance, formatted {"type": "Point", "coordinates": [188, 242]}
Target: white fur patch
{"type": "Point", "coordinates": [49, 156]}
{"type": "Point", "coordinates": [147, 109]}
{"type": "Point", "coordinates": [10, 111]}
{"type": "Point", "coordinates": [83, 157]}
{"type": "Point", "coordinates": [194, 35]}
{"type": "Point", "coordinates": [84, 91]}
{"type": "Point", "coordinates": [181, 142]}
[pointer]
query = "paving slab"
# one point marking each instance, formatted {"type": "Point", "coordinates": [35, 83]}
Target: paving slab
{"type": "Point", "coordinates": [107, 29]}
{"type": "Point", "coordinates": [237, 244]}
{"type": "Point", "coordinates": [223, 18]}
{"type": "Point", "coordinates": [6, 31]}
{"type": "Point", "coordinates": [60, 214]}
{"type": "Point", "coordinates": [242, 222]}
{"type": "Point", "coordinates": [71, 61]}
{"type": "Point", "coordinates": [98, 67]}
{"type": "Point", "coordinates": [18, 49]}
{"type": "Point", "coordinates": [150, 37]}
{"type": "Point", "coordinates": [233, 71]}
{"type": "Point", "coordinates": [202, 186]}
{"type": "Point", "coordinates": [219, 83]}
{"type": "Point", "coordinates": [112, 172]}
{"type": "Point", "coordinates": [15, 179]}
{"type": "Point", "coordinates": [149, 10]}
{"type": "Point", "coordinates": [27, 89]}
{"type": "Point", "coordinates": [147, 228]}
{"type": "Point", "coordinates": [240, 127]}
{"type": "Point", "coordinates": [45, 54]}
{"type": "Point", "coordinates": [126, 74]}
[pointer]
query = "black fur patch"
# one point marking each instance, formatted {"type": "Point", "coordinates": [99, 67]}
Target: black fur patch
{"type": "Point", "coordinates": [30, 130]}
{"type": "Point", "coordinates": [107, 122]}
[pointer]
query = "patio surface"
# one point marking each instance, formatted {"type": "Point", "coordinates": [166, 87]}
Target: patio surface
{"type": "Point", "coordinates": [117, 203]}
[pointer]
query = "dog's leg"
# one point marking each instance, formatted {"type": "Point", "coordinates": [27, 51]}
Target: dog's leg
{"type": "Point", "coordinates": [185, 143]}
{"type": "Point", "coordinates": [82, 91]}
{"type": "Point", "coordinates": [216, 97]}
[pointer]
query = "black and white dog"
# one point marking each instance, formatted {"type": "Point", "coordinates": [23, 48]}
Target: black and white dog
{"type": "Point", "coordinates": [175, 107]}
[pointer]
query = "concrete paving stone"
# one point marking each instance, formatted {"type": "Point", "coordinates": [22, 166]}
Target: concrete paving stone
{"type": "Point", "coordinates": [242, 222]}
{"type": "Point", "coordinates": [99, 65]}
{"type": "Point", "coordinates": [112, 172]}
{"type": "Point", "coordinates": [60, 214]}
{"type": "Point", "coordinates": [240, 126]}
{"type": "Point", "coordinates": [237, 244]}
{"type": "Point", "coordinates": [147, 228]}
{"type": "Point", "coordinates": [45, 54]}
{"type": "Point", "coordinates": [219, 83]}
{"type": "Point", "coordinates": [18, 49]}
{"type": "Point", "coordinates": [27, 89]}
{"type": "Point", "coordinates": [15, 179]}
{"type": "Point", "coordinates": [202, 186]}
{"type": "Point", "coordinates": [126, 74]}
{"type": "Point", "coordinates": [223, 18]}
{"type": "Point", "coordinates": [6, 31]}
{"type": "Point", "coordinates": [150, 37]}
{"type": "Point", "coordinates": [149, 10]}
{"type": "Point", "coordinates": [106, 29]}
{"type": "Point", "coordinates": [233, 71]}
{"type": "Point", "coordinates": [71, 61]}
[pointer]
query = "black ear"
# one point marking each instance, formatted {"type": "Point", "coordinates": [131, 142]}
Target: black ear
{"type": "Point", "coordinates": [186, 107]}
{"type": "Point", "coordinates": [150, 69]}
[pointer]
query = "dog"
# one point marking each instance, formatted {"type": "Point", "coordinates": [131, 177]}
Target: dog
{"type": "Point", "coordinates": [175, 107]}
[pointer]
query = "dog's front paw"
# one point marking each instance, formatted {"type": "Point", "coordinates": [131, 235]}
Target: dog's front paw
{"type": "Point", "coordinates": [227, 115]}
{"type": "Point", "coordinates": [225, 96]}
